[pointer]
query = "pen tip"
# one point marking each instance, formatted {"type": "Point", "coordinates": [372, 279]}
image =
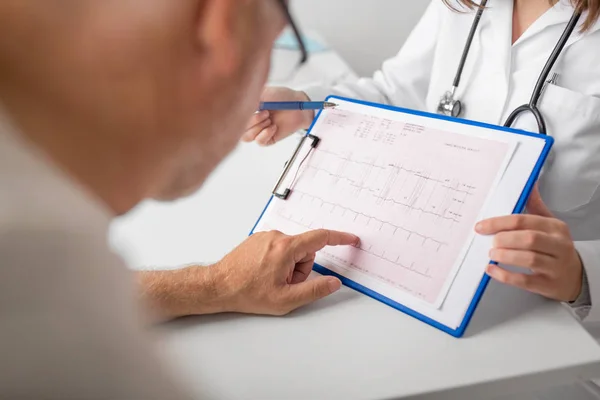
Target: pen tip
{"type": "Point", "coordinates": [330, 105]}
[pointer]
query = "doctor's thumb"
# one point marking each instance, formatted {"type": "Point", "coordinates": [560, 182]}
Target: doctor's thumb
{"type": "Point", "coordinates": [535, 204]}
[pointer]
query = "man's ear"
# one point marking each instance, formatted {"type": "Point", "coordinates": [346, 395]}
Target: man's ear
{"type": "Point", "coordinates": [216, 33]}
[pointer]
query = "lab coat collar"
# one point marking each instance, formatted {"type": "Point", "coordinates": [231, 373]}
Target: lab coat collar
{"type": "Point", "coordinates": [560, 13]}
{"type": "Point", "coordinates": [500, 15]}
{"type": "Point", "coordinates": [577, 35]}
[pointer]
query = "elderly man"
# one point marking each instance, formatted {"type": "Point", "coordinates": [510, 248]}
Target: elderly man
{"type": "Point", "coordinates": [106, 103]}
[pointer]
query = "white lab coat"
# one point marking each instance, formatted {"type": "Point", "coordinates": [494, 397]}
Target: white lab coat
{"type": "Point", "coordinates": [498, 77]}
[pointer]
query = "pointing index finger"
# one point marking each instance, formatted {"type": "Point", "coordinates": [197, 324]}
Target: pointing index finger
{"type": "Point", "coordinates": [313, 241]}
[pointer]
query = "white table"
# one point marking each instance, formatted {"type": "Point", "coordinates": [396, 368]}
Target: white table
{"type": "Point", "coordinates": [347, 346]}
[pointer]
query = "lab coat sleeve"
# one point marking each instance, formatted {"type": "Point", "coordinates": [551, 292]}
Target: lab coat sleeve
{"type": "Point", "coordinates": [589, 309]}
{"type": "Point", "coordinates": [404, 79]}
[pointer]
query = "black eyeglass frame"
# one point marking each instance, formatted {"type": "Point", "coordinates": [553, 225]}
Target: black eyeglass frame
{"type": "Point", "coordinates": [297, 34]}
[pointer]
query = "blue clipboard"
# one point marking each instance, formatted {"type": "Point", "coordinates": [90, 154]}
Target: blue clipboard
{"type": "Point", "coordinates": [460, 330]}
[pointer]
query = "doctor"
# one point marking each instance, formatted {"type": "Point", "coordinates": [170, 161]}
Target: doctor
{"type": "Point", "coordinates": [511, 44]}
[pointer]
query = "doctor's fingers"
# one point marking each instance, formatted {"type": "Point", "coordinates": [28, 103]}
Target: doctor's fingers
{"type": "Point", "coordinates": [253, 132]}
{"type": "Point", "coordinates": [519, 222]}
{"type": "Point", "coordinates": [266, 136]}
{"type": "Point", "coordinates": [536, 262]}
{"type": "Point", "coordinates": [258, 118]}
{"type": "Point", "coordinates": [535, 283]}
{"type": "Point", "coordinates": [537, 241]}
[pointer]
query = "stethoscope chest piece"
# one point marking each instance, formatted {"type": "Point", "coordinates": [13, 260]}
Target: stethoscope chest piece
{"type": "Point", "coordinates": [449, 106]}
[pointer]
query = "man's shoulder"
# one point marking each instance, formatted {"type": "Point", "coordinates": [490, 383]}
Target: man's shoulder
{"type": "Point", "coordinates": [37, 195]}
{"type": "Point", "coordinates": [71, 323]}
{"type": "Point", "coordinates": [49, 227]}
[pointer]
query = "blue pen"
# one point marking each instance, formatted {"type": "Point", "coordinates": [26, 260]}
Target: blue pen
{"type": "Point", "coordinates": [295, 105]}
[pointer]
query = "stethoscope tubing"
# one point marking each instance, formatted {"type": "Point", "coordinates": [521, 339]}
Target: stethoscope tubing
{"type": "Point", "coordinates": [542, 79]}
{"type": "Point", "coordinates": [532, 106]}
{"type": "Point", "coordinates": [467, 48]}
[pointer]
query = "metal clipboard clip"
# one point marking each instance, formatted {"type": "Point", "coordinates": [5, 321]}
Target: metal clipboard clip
{"type": "Point", "coordinates": [314, 141]}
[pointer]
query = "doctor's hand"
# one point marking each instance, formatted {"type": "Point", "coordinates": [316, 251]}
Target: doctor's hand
{"type": "Point", "coordinates": [268, 127]}
{"type": "Point", "coordinates": [540, 243]}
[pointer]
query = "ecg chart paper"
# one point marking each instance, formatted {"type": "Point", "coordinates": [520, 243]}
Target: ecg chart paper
{"type": "Point", "coordinates": [412, 194]}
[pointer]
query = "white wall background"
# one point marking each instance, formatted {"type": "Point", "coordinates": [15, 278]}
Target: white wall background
{"type": "Point", "coordinates": [364, 32]}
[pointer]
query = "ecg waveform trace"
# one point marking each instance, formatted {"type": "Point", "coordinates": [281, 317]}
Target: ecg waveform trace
{"type": "Point", "coordinates": [411, 193]}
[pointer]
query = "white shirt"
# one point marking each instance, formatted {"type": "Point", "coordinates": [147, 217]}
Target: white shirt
{"type": "Point", "coordinates": [69, 324]}
{"type": "Point", "coordinates": [500, 76]}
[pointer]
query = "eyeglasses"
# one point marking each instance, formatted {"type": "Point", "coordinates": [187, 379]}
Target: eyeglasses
{"type": "Point", "coordinates": [301, 44]}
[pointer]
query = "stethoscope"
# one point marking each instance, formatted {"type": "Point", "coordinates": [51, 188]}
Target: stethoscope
{"type": "Point", "coordinates": [450, 106]}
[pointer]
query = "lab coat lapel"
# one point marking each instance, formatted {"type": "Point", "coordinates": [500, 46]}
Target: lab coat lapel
{"type": "Point", "coordinates": [499, 13]}
{"type": "Point", "coordinates": [560, 13]}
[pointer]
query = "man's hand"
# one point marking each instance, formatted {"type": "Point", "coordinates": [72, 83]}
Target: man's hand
{"type": "Point", "coordinates": [266, 274]}
{"type": "Point", "coordinates": [538, 242]}
{"type": "Point", "coordinates": [269, 127]}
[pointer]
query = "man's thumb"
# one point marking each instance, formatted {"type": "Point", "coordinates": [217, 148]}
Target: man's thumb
{"type": "Point", "coordinates": [536, 206]}
{"type": "Point", "coordinates": [301, 294]}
